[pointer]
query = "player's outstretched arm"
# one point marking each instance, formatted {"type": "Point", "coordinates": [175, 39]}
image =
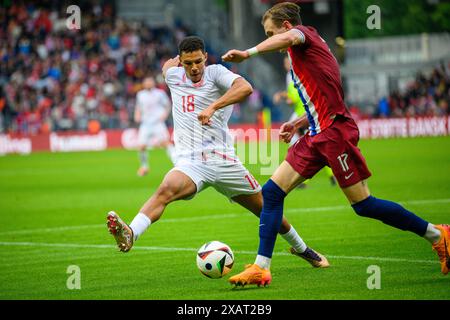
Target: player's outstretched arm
{"type": "Point", "coordinates": [277, 42]}
{"type": "Point", "coordinates": [174, 62]}
{"type": "Point", "coordinates": [240, 89]}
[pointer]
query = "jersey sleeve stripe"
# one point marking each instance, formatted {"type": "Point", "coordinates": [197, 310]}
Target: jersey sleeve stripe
{"type": "Point", "coordinates": [300, 34]}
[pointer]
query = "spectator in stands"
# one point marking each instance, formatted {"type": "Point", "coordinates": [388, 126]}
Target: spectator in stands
{"type": "Point", "coordinates": [58, 78]}
{"type": "Point", "coordinates": [425, 96]}
{"type": "Point", "coordinates": [53, 78]}
{"type": "Point", "coordinates": [383, 108]}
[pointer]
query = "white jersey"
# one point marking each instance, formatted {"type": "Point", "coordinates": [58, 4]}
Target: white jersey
{"type": "Point", "coordinates": [188, 100]}
{"type": "Point", "coordinates": [152, 105]}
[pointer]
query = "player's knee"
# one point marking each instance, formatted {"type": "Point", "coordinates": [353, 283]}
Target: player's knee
{"type": "Point", "coordinates": [365, 208]}
{"type": "Point", "coordinates": [272, 193]}
{"type": "Point", "coordinates": [165, 193]}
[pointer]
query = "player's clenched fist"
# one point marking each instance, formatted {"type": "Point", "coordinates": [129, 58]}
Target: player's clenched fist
{"type": "Point", "coordinates": [174, 62]}
{"type": "Point", "coordinates": [235, 56]}
{"type": "Point", "coordinates": [205, 116]}
{"type": "Point", "coordinates": [287, 131]}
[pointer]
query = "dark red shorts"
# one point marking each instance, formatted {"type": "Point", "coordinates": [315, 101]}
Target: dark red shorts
{"type": "Point", "coordinates": [336, 147]}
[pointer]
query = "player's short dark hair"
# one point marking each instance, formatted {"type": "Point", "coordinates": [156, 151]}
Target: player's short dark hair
{"type": "Point", "coordinates": [191, 44]}
{"type": "Point", "coordinates": [285, 11]}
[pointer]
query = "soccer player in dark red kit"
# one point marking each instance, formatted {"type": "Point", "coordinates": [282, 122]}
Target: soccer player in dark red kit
{"type": "Point", "coordinates": [332, 140]}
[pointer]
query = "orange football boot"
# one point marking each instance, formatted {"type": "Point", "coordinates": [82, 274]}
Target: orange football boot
{"type": "Point", "coordinates": [253, 274]}
{"type": "Point", "coordinates": [442, 247]}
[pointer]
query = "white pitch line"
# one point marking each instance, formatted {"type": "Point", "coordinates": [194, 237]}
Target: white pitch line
{"type": "Point", "coordinates": [168, 249]}
{"type": "Point", "coordinates": [336, 208]}
{"type": "Point", "coordinates": [215, 216]}
{"type": "Point", "coordinates": [88, 226]}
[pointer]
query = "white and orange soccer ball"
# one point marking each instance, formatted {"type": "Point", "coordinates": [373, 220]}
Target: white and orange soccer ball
{"type": "Point", "coordinates": [215, 259]}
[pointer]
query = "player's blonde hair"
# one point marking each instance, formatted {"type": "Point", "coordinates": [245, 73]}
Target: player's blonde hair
{"type": "Point", "coordinates": [285, 11]}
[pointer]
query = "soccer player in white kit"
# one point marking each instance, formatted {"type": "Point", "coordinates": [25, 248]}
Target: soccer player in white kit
{"type": "Point", "coordinates": [151, 111]}
{"type": "Point", "coordinates": [202, 102]}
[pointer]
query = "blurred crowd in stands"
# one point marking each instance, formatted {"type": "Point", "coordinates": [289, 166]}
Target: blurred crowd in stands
{"type": "Point", "coordinates": [427, 95]}
{"type": "Point", "coordinates": [53, 78]}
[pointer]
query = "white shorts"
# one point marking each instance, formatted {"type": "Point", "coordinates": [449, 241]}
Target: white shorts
{"type": "Point", "coordinates": [228, 177]}
{"type": "Point", "coordinates": [153, 135]}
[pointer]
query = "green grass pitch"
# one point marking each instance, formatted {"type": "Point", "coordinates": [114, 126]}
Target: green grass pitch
{"type": "Point", "coordinates": [53, 209]}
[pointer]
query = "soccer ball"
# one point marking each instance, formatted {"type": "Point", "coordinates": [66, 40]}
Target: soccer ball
{"type": "Point", "coordinates": [215, 259]}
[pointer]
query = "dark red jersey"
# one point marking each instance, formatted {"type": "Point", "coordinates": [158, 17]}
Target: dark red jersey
{"type": "Point", "coordinates": [316, 76]}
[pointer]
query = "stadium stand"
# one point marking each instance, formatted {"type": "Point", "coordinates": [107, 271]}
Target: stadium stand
{"type": "Point", "coordinates": [53, 78]}
{"type": "Point", "coordinates": [427, 95]}
{"type": "Point", "coordinates": [56, 79]}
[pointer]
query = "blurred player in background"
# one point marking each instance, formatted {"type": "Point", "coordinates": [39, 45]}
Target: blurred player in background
{"type": "Point", "coordinates": [332, 140]}
{"type": "Point", "coordinates": [151, 111]}
{"type": "Point", "coordinates": [291, 97]}
{"type": "Point", "coordinates": [203, 98]}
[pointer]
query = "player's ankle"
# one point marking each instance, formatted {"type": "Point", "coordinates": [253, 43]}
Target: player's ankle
{"type": "Point", "coordinates": [139, 224]}
{"type": "Point", "coordinates": [433, 234]}
{"type": "Point", "coordinates": [263, 262]}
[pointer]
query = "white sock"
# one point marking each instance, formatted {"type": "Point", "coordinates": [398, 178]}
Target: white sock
{"type": "Point", "coordinates": [139, 224]}
{"type": "Point", "coordinates": [293, 238]}
{"type": "Point", "coordinates": [172, 153]}
{"type": "Point", "coordinates": [433, 234]}
{"type": "Point", "coordinates": [263, 262]}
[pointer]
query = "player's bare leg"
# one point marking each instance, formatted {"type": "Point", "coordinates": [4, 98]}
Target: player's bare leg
{"type": "Point", "coordinates": [396, 216]}
{"type": "Point", "coordinates": [286, 179]}
{"type": "Point", "coordinates": [176, 185]}
{"type": "Point", "coordinates": [254, 203]}
{"type": "Point", "coordinates": [357, 192]}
